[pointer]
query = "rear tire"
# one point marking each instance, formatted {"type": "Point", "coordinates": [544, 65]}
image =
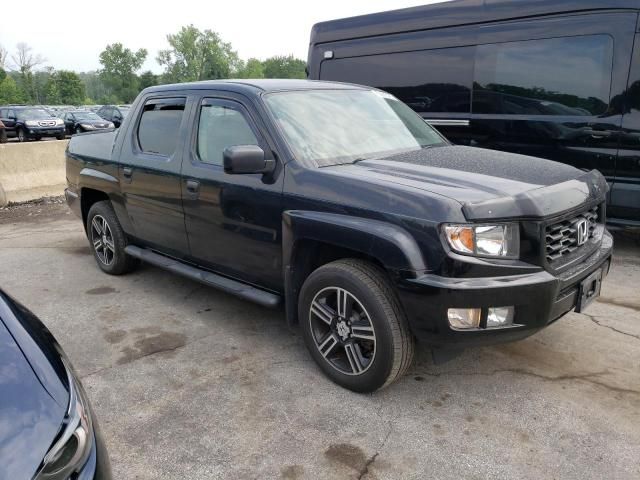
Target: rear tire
{"type": "Point", "coordinates": [108, 240]}
{"type": "Point", "coordinates": [354, 326]}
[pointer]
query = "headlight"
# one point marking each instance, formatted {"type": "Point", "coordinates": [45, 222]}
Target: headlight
{"type": "Point", "coordinates": [111, 125]}
{"type": "Point", "coordinates": [484, 240]}
{"type": "Point", "coordinates": [87, 126]}
{"type": "Point", "coordinates": [31, 123]}
{"type": "Point", "coordinates": [71, 451]}
{"type": "Point", "coordinates": [59, 122]}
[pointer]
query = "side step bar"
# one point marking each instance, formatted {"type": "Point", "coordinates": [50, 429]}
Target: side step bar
{"type": "Point", "coordinates": [225, 284]}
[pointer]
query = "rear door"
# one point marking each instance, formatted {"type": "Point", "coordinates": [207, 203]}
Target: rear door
{"type": "Point", "coordinates": [551, 88]}
{"type": "Point", "coordinates": [233, 221]}
{"type": "Point", "coordinates": [149, 172]}
{"type": "Point", "coordinates": [625, 194]}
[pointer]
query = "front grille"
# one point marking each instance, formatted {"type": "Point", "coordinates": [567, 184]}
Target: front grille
{"type": "Point", "coordinates": [561, 238]}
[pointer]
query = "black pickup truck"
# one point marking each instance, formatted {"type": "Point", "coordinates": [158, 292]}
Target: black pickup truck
{"type": "Point", "coordinates": [340, 202]}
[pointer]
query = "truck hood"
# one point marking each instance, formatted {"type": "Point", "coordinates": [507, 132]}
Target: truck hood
{"type": "Point", "coordinates": [489, 184]}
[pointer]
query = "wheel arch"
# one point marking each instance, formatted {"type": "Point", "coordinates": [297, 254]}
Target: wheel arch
{"type": "Point", "coordinates": [313, 239]}
{"type": "Point", "coordinates": [88, 197]}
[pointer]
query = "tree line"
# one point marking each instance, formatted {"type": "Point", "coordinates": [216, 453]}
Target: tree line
{"type": "Point", "coordinates": [192, 55]}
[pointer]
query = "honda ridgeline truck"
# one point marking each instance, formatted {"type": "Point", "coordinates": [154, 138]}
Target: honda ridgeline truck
{"type": "Point", "coordinates": [344, 205]}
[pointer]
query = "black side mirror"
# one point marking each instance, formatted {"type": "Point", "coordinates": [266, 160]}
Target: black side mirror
{"type": "Point", "coordinates": [241, 159]}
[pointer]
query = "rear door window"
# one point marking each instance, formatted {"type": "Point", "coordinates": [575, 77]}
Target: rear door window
{"type": "Point", "coordinates": [427, 80]}
{"type": "Point", "coordinates": [159, 127]}
{"type": "Point", "coordinates": [554, 76]}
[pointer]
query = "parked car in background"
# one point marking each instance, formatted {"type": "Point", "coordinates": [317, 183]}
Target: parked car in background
{"type": "Point", "coordinates": [78, 121]}
{"type": "Point", "coordinates": [31, 123]}
{"type": "Point", "coordinates": [3, 133]}
{"type": "Point", "coordinates": [114, 113]}
{"type": "Point", "coordinates": [341, 202]}
{"type": "Point", "coordinates": [48, 428]}
{"type": "Point", "coordinates": [558, 80]}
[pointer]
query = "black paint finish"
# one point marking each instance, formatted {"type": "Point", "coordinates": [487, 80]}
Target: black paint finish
{"type": "Point", "coordinates": [271, 230]}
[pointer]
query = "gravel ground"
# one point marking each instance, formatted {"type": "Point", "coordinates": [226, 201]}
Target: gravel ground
{"type": "Point", "coordinates": [188, 382]}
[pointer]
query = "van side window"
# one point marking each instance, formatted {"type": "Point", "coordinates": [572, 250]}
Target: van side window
{"type": "Point", "coordinates": [555, 76]}
{"type": "Point", "coordinates": [221, 126]}
{"type": "Point", "coordinates": [428, 81]}
{"type": "Point", "coordinates": [160, 125]}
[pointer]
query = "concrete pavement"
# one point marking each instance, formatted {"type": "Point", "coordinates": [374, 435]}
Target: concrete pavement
{"type": "Point", "coordinates": [188, 382]}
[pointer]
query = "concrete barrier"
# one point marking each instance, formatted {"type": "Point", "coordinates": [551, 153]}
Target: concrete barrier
{"type": "Point", "coordinates": [31, 170]}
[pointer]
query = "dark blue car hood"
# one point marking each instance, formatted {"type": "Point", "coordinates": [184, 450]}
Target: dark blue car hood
{"type": "Point", "coordinates": [33, 396]}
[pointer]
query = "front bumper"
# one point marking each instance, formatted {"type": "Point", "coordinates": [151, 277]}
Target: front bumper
{"type": "Point", "coordinates": [39, 132]}
{"type": "Point", "coordinates": [539, 298]}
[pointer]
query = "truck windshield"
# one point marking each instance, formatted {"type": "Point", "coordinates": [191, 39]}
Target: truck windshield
{"type": "Point", "coordinates": [333, 127]}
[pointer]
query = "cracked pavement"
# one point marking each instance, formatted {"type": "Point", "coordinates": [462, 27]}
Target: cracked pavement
{"type": "Point", "coordinates": [188, 382]}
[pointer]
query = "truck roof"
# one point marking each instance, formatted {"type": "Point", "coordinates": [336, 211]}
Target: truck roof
{"type": "Point", "coordinates": [254, 85]}
{"type": "Point", "coordinates": [453, 13]}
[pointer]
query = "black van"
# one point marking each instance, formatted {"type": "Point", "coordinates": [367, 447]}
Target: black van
{"type": "Point", "coordinates": [553, 79]}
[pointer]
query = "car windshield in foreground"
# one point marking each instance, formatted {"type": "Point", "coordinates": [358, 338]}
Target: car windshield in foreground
{"type": "Point", "coordinates": [33, 113]}
{"type": "Point", "coordinates": [333, 127]}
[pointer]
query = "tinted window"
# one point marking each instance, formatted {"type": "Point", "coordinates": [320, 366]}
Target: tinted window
{"type": "Point", "coordinates": [221, 126]}
{"type": "Point", "coordinates": [556, 76]}
{"type": "Point", "coordinates": [160, 125]}
{"type": "Point", "coordinates": [427, 81]}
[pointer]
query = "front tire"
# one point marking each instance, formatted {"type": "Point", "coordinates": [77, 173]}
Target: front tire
{"type": "Point", "coordinates": [108, 240]}
{"type": "Point", "coordinates": [22, 136]}
{"type": "Point", "coordinates": [354, 326]}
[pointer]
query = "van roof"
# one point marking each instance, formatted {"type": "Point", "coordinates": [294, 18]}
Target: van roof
{"type": "Point", "coordinates": [453, 13]}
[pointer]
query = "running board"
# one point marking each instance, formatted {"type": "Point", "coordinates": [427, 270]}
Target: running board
{"type": "Point", "coordinates": [225, 284]}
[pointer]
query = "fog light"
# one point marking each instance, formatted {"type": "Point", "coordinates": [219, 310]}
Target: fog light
{"type": "Point", "coordinates": [500, 317]}
{"type": "Point", "coordinates": [464, 318]}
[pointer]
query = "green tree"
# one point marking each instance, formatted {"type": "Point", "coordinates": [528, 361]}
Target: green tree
{"type": "Point", "coordinates": [9, 92]}
{"type": "Point", "coordinates": [69, 86]}
{"type": "Point", "coordinates": [26, 62]}
{"type": "Point", "coordinates": [197, 55]}
{"type": "Point", "coordinates": [119, 67]}
{"type": "Point", "coordinates": [252, 68]}
{"type": "Point", "coordinates": [148, 79]}
{"type": "Point", "coordinates": [94, 86]}
{"type": "Point", "coordinates": [282, 66]}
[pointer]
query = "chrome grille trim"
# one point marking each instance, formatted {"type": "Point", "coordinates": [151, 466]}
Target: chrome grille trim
{"type": "Point", "coordinates": [561, 237]}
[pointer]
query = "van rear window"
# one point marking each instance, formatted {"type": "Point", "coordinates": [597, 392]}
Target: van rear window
{"type": "Point", "coordinates": [554, 76]}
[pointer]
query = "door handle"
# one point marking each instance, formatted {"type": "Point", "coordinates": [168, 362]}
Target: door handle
{"type": "Point", "coordinates": [193, 186]}
{"type": "Point", "coordinates": [127, 173]}
{"type": "Point", "coordinates": [598, 133]}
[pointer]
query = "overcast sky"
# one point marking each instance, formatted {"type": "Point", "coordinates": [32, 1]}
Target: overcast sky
{"type": "Point", "coordinates": [71, 35]}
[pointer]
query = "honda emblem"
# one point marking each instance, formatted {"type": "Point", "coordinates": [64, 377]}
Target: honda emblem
{"type": "Point", "coordinates": [582, 231]}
